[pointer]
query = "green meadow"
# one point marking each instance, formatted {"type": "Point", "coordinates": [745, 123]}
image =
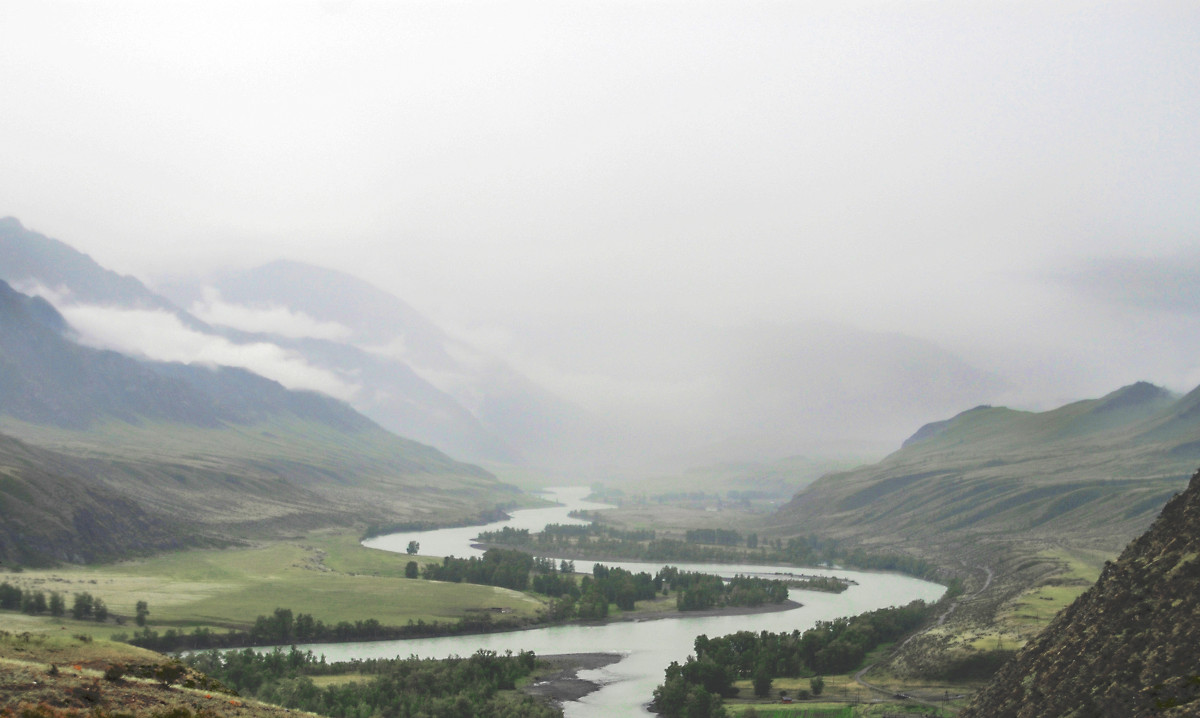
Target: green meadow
{"type": "Point", "coordinates": [327, 575]}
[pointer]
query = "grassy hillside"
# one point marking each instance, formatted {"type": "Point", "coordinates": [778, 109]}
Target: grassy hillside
{"type": "Point", "coordinates": [52, 511]}
{"type": "Point", "coordinates": [1090, 474]}
{"type": "Point", "coordinates": [1024, 506]}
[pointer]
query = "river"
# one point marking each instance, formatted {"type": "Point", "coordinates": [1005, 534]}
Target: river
{"type": "Point", "coordinates": [647, 646]}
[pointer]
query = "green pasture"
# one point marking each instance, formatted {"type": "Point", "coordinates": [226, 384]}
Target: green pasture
{"type": "Point", "coordinates": [328, 576]}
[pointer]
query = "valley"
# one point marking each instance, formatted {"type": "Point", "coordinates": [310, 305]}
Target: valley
{"type": "Point", "coordinates": [237, 507]}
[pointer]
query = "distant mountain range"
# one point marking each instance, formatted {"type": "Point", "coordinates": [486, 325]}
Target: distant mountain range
{"type": "Point", "coordinates": [1130, 646]}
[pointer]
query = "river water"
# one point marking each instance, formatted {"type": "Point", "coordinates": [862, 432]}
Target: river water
{"type": "Point", "coordinates": [647, 647]}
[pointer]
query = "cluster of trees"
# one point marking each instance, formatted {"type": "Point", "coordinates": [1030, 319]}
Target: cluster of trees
{"type": "Point", "coordinates": [701, 591]}
{"type": "Point", "coordinates": [565, 535]}
{"type": "Point", "coordinates": [283, 627]}
{"type": "Point", "coordinates": [705, 545]}
{"type": "Point", "coordinates": [697, 687]}
{"type": "Point", "coordinates": [506, 568]}
{"type": "Point", "coordinates": [589, 599]}
{"type": "Point", "coordinates": [85, 605]}
{"type": "Point", "coordinates": [828, 584]}
{"type": "Point", "coordinates": [481, 685]}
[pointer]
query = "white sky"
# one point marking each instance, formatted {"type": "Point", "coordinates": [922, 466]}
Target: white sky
{"type": "Point", "coordinates": [974, 173]}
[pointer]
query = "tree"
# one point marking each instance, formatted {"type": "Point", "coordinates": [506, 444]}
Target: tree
{"type": "Point", "coordinates": [10, 596]}
{"type": "Point", "coordinates": [58, 604]}
{"type": "Point", "coordinates": [99, 611]}
{"type": "Point", "coordinates": [413, 548]}
{"type": "Point", "coordinates": [817, 684]}
{"type": "Point", "coordinates": [83, 606]}
{"type": "Point", "coordinates": [142, 610]}
{"type": "Point", "coordinates": [33, 602]}
{"type": "Point", "coordinates": [762, 680]}
{"type": "Point", "coordinates": [410, 569]}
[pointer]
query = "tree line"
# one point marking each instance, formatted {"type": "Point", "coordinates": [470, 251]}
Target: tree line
{"type": "Point", "coordinates": [706, 545]}
{"type": "Point", "coordinates": [697, 687]}
{"type": "Point", "coordinates": [481, 685]}
{"type": "Point", "coordinates": [84, 606]}
{"type": "Point", "coordinates": [284, 627]}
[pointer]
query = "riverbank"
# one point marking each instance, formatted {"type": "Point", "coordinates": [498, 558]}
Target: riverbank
{"type": "Point", "coordinates": [635, 617]}
{"type": "Point", "coordinates": [561, 682]}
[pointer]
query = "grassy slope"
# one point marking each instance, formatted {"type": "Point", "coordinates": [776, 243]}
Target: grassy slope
{"type": "Point", "coordinates": [278, 475]}
{"type": "Point", "coordinates": [76, 686]}
{"type": "Point", "coordinates": [323, 575]}
{"type": "Point", "coordinates": [1040, 499]}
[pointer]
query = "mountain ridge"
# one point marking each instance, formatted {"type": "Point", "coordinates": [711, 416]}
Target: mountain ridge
{"type": "Point", "coordinates": [219, 451]}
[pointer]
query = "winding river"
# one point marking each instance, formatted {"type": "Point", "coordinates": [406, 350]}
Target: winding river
{"type": "Point", "coordinates": [647, 646]}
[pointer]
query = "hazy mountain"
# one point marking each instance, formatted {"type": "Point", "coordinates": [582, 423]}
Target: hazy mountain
{"type": "Point", "coordinates": [801, 388]}
{"type": "Point", "coordinates": [699, 396]}
{"type": "Point", "coordinates": [216, 446]}
{"type": "Point", "coordinates": [27, 256]}
{"type": "Point", "coordinates": [1092, 472]}
{"type": "Point", "coordinates": [383, 386]}
{"type": "Point", "coordinates": [1130, 646]}
{"type": "Point", "coordinates": [413, 377]}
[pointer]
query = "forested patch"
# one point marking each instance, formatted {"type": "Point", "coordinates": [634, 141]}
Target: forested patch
{"type": "Point", "coordinates": [479, 686]}
{"type": "Point", "coordinates": [283, 627]}
{"type": "Point", "coordinates": [696, 687]}
{"type": "Point", "coordinates": [701, 546]}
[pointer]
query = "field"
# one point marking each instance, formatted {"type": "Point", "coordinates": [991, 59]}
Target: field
{"type": "Point", "coordinates": [327, 575]}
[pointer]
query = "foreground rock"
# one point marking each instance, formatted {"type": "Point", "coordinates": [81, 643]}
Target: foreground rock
{"type": "Point", "coordinates": [1130, 646]}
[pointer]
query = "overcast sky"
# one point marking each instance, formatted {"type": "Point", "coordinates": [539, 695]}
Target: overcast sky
{"type": "Point", "coordinates": [571, 184]}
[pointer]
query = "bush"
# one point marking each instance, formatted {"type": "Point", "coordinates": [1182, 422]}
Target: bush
{"type": "Point", "coordinates": [168, 673]}
{"type": "Point", "coordinates": [115, 672]}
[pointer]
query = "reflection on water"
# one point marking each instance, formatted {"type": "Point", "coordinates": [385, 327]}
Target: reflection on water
{"type": "Point", "coordinates": [647, 646]}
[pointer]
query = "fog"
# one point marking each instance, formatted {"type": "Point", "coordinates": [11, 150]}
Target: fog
{"type": "Point", "coordinates": [666, 213]}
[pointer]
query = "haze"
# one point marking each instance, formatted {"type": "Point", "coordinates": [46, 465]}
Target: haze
{"type": "Point", "coordinates": [665, 212]}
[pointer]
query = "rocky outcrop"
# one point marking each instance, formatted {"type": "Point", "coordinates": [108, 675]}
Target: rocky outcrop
{"type": "Point", "coordinates": [1128, 647]}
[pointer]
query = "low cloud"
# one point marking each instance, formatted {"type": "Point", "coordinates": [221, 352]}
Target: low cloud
{"type": "Point", "coordinates": [162, 336]}
{"type": "Point", "coordinates": [272, 318]}
{"type": "Point", "coordinates": [1165, 284]}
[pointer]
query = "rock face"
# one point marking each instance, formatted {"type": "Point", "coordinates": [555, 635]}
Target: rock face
{"type": "Point", "coordinates": [1128, 647]}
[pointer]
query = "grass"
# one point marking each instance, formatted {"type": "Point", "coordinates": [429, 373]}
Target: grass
{"type": "Point", "coordinates": [327, 575]}
{"type": "Point", "coordinates": [1031, 611]}
{"type": "Point", "coordinates": [75, 686]}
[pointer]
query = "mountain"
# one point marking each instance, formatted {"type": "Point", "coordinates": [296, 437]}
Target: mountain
{"type": "Point", "coordinates": [370, 348]}
{"type": "Point", "coordinates": [414, 378]}
{"type": "Point", "coordinates": [1129, 646]}
{"type": "Point", "coordinates": [217, 450]}
{"type": "Point", "coordinates": [1092, 472]}
{"type": "Point", "coordinates": [27, 256]}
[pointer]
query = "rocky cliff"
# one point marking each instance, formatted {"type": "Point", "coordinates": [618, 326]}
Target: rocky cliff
{"type": "Point", "coordinates": [1130, 646]}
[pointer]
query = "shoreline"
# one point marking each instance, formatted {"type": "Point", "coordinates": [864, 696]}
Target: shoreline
{"type": "Point", "coordinates": [787, 605]}
{"type": "Point", "coordinates": [562, 683]}
{"type": "Point", "coordinates": [632, 617]}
